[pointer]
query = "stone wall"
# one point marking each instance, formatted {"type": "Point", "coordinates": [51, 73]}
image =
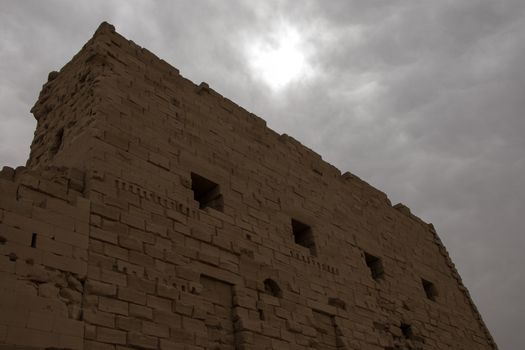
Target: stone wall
{"type": "Point", "coordinates": [207, 230]}
{"type": "Point", "coordinates": [44, 227]}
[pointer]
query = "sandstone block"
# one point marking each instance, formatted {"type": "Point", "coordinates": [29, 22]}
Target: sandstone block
{"type": "Point", "coordinates": [142, 341]}
{"type": "Point", "coordinates": [110, 335]}
{"type": "Point", "coordinates": [100, 288]}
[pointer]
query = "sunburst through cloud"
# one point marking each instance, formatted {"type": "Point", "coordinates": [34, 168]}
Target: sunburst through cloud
{"type": "Point", "coordinates": [280, 58]}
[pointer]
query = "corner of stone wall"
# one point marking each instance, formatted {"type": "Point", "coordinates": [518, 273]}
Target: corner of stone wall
{"type": "Point", "coordinates": [461, 286]}
{"type": "Point", "coordinates": [66, 108]}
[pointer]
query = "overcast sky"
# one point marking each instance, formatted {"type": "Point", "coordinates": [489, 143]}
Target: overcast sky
{"type": "Point", "coordinates": [424, 99]}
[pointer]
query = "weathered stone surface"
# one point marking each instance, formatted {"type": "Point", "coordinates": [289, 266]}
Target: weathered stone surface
{"type": "Point", "coordinates": [157, 214]}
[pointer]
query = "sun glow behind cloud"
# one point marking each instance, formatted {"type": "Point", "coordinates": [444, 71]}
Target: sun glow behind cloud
{"type": "Point", "coordinates": [279, 58]}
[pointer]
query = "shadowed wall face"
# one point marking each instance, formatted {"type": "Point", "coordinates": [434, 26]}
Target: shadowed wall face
{"type": "Point", "coordinates": [206, 229]}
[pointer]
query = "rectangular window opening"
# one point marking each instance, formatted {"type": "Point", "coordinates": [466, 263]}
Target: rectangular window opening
{"type": "Point", "coordinates": [375, 265]}
{"type": "Point", "coordinates": [406, 329]}
{"type": "Point", "coordinates": [303, 236]}
{"type": "Point", "coordinates": [430, 289]}
{"type": "Point", "coordinates": [33, 240]}
{"type": "Point", "coordinates": [206, 192]}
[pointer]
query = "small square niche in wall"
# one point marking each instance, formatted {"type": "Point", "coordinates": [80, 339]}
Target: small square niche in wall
{"type": "Point", "coordinates": [375, 265]}
{"type": "Point", "coordinates": [430, 289]}
{"type": "Point", "coordinates": [206, 192]}
{"type": "Point", "coordinates": [406, 330]}
{"type": "Point", "coordinates": [303, 236]}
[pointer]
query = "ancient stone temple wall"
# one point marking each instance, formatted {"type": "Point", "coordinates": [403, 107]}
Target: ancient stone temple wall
{"type": "Point", "coordinates": [204, 229]}
{"type": "Point", "coordinates": [44, 228]}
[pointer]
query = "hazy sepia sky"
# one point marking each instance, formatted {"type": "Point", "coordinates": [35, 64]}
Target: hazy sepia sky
{"type": "Point", "coordinates": [424, 99]}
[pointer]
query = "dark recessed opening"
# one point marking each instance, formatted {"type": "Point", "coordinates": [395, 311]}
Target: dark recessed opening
{"type": "Point", "coordinates": [261, 315]}
{"type": "Point", "coordinates": [271, 287]}
{"type": "Point", "coordinates": [57, 143]}
{"type": "Point", "coordinates": [375, 265]}
{"type": "Point", "coordinates": [206, 192]}
{"type": "Point", "coordinates": [303, 236]}
{"type": "Point", "coordinates": [33, 240]}
{"type": "Point", "coordinates": [430, 289]}
{"type": "Point", "coordinates": [406, 329]}
{"type": "Point", "coordinates": [338, 303]}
